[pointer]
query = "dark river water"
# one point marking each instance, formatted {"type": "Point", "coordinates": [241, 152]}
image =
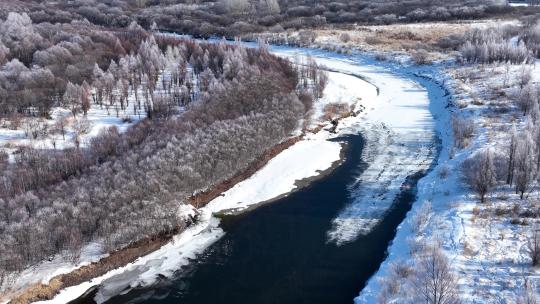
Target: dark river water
{"type": "Point", "coordinates": [278, 253]}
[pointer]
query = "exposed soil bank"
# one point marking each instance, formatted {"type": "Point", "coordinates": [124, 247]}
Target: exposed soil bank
{"type": "Point", "coordinates": [203, 198]}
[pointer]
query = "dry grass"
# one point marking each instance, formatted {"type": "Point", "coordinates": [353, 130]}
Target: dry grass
{"type": "Point", "coordinates": [336, 110]}
{"type": "Point", "coordinates": [399, 37]}
{"type": "Point", "coordinates": [39, 292]}
{"type": "Point", "coordinates": [396, 37]}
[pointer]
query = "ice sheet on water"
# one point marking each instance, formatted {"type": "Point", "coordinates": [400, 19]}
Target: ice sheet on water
{"type": "Point", "coordinates": [391, 158]}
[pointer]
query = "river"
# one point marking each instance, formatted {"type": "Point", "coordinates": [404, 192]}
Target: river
{"type": "Point", "coordinates": [322, 243]}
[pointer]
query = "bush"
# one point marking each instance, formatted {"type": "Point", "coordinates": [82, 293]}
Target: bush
{"type": "Point", "coordinates": [345, 37]}
{"type": "Point", "coordinates": [463, 130]}
{"type": "Point", "coordinates": [420, 57]}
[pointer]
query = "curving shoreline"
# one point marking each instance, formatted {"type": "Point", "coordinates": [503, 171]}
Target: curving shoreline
{"type": "Point", "coordinates": [351, 122]}
{"type": "Point", "coordinates": [129, 254]}
{"type": "Point", "coordinates": [135, 252]}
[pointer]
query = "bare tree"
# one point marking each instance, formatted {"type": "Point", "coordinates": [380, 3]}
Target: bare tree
{"type": "Point", "coordinates": [533, 246]}
{"type": "Point", "coordinates": [434, 281]}
{"type": "Point", "coordinates": [511, 155]}
{"type": "Point", "coordinates": [479, 172]}
{"type": "Point", "coordinates": [525, 164]}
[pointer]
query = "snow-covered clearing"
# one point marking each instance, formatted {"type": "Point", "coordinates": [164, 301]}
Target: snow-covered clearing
{"type": "Point", "coordinates": [78, 128]}
{"type": "Point", "coordinates": [305, 159]}
{"type": "Point", "coordinates": [63, 130]}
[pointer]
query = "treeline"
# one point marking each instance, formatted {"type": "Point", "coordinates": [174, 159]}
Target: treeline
{"type": "Point", "coordinates": [37, 61]}
{"type": "Point", "coordinates": [511, 44]}
{"type": "Point", "coordinates": [236, 17]}
{"type": "Point", "coordinates": [123, 187]}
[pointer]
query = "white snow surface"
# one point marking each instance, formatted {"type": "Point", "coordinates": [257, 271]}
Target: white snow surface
{"type": "Point", "coordinates": [96, 120]}
{"type": "Point", "coordinates": [304, 159]}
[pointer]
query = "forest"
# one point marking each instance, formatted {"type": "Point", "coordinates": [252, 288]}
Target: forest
{"type": "Point", "coordinates": [210, 109]}
{"type": "Point", "coordinates": [236, 17]}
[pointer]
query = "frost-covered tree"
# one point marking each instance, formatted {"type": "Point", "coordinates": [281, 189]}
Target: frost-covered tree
{"type": "Point", "coordinates": [18, 34]}
{"type": "Point", "coordinates": [512, 147]}
{"type": "Point", "coordinates": [73, 98]}
{"type": "Point", "coordinates": [269, 6]}
{"type": "Point", "coordinates": [119, 190]}
{"type": "Point", "coordinates": [527, 98]}
{"type": "Point", "coordinates": [533, 246]}
{"type": "Point", "coordinates": [4, 52]}
{"type": "Point", "coordinates": [525, 164]}
{"type": "Point", "coordinates": [236, 6]}
{"type": "Point", "coordinates": [480, 172]}
{"type": "Point", "coordinates": [434, 281]}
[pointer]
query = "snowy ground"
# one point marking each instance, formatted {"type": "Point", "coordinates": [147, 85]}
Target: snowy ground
{"type": "Point", "coordinates": [79, 129]}
{"type": "Point", "coordinates": [76, 128]}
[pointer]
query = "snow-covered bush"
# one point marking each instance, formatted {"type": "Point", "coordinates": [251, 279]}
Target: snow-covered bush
{"type": "Point", "coordinates": [345, 37]}
{"type": "Point", "coordinates": [496, 51]}
{"type": "Point", "coordinates": [527, 98]}
{"type": "Point", "coordinates": [420, 57]}
{"type": "Point", "coordinates": [493, 45]}
{"type": "Point", "coordinates": [421, 217]}
{"type": "Point", "coordinates": [463, 130]}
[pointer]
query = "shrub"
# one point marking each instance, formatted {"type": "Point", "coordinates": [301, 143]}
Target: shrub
{"type": "Point", "coordinates": [463, 130]}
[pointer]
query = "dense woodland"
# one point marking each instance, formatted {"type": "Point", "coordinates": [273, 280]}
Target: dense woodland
{"type": "Point", "coordinates": [211, 110]}
{"type": "Point", "coordinates": [235, 17]}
